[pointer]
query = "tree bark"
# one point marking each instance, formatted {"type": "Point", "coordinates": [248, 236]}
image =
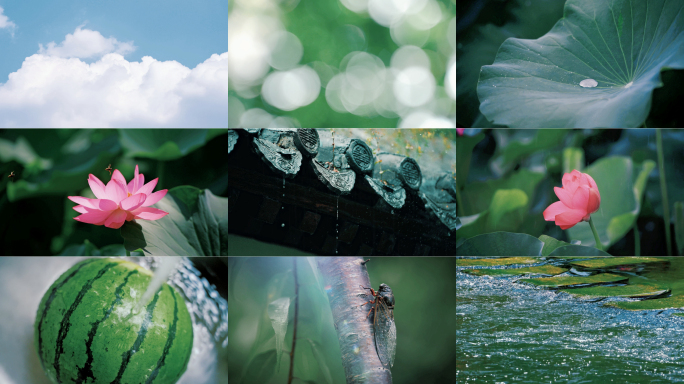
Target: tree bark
{"type": "Point", "coordinates": [343, 278]}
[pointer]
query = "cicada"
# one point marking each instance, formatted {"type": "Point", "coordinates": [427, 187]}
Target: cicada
{"type": "Point", "coordinates": [11, 176]}
{"type": "Point", "coordinates": [109, 168]}
{"type": "Point", "coordinates": [383, 323]}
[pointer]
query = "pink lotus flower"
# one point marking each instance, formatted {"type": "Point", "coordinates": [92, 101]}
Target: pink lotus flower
{"type": "Point", "coordinates": [118, 202]}
{"type": "Point", "coordinates": [579, 198]}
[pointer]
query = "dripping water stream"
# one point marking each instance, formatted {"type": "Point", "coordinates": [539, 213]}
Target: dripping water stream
{"type": "Point", "coordinates": [337, 220]}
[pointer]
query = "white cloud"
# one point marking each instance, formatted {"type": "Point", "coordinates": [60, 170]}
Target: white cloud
{"type": "Point", "coordinates": [53, 91]}
{"type": "Point", "coordinates": [6, 23]}
{"type": "Point", "coordinates": [85, 43]}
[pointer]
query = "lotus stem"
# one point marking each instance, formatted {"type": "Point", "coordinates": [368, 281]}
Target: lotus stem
{"type": "Point", "coordinates": [459, 201]}
{"type": "Point", "coordinates": [599, 246]}
{"type": "Point", "coordinates": [637, 240]}
{"type": "Point", "coordinates": [290, 375]}
{"type": "Point", "coordinates": [663, 190]}
{"type": "Point", "coordinates": [679, 227]}
{"type": "Point", "coordinates": [160, 173]}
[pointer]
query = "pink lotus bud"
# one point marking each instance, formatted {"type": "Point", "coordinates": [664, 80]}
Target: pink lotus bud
{"type": "Point", "coordinates": [579, 198]}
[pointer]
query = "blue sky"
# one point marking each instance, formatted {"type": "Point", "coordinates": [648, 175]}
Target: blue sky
{"type": "Point", "coordinates": [185, 31]}
{"type": "Point", "coordinates": [188, 32]}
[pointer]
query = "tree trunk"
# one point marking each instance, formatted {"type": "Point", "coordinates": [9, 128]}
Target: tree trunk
{"type": "Point", "coordinates": [344, 277]}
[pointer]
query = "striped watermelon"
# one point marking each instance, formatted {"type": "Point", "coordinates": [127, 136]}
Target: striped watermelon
{"type": "Point", "coordinates": [85, 333]}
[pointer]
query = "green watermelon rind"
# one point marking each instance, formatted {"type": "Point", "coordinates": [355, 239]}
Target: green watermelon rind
{"type": "Point", "coordinates": [84, 332]}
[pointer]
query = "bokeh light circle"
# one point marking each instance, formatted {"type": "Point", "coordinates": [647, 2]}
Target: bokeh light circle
{"type": "Point", "coordinates": [414, 86]}
{"type": "Point", "coordinates": [289, 90]}
{"type": "Point", "coordinates": [450, 79]}
{"type": "Point", "coordinates": [255, 118]}
{"type": "Point", "coordinates": [409, 56]}
{"type": "Point", "coordinates": [423, 119]}
{"type": "Point", "coordinates": [286, 50]}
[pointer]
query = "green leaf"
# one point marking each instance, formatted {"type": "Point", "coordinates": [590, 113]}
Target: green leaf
{"type": "Point", "coordinates": [532, 19]}
{"type": "Point", "coordinates": [573, 158]}
{"type": "Point", "coordinates": [464, 150]}
{"type": "Point", "coordinates": [501, 244]}
{"type": "Point", "coordinates": [69, 175]}
{"type": "Point", "coordinates": [477, 196]}
{"type": "Point", "coordinates": [570, 281]}
{"type": "Point", "coordinates": [133, 236]}
{"type": "Point", "coordinates": [621, 23]}
{"type": "Point", "coordinates": [261, 368]}
{"type": "Point", "coordinates": [22, 152]}
{"type": "Point", "coordinates": [577, 250]}
{"type": "Point", "coordinates": [621, 185]}
{"type": "Point", "coordinates": [535, 83]}
{"type": "Point", "coordinates": [516, 145]}
{"type": "Point", "coordinates": [505, 202]}
{"type": "Point", "coordinates": [197, 225]}
{"type": "Point", "coordinates": [640, 145]}
{"type": "Point", "coordinates": [499, 261]}
{"type": "Point", "coordinates": [89, 249]}
{"type": "Point", "coordinates": [320, 358]}
{"type": "Point", "coordinates": [164, 144]}
{"type": "Point", "coordinates": [277, 312]}
{"type": "Point", "coordinates": [618, 261]}
{"type": "Point", "coordinates": [505, 213]}
{"type": "Point", "coordinates": [547, 270]}
{"type": "Point", "coordinates": [551, 244]}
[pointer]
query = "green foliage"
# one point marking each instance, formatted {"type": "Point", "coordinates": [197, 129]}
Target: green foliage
{"type": "Point", "coordinates": [634, 291]}
{"type": "Point", "coordinates": [547, 270]}
{"type": "Point", "coordinates": [519, 244]}
{"type": "Point", "coordinates": [640, 146]}
{"type": "Point", "coordinates": [73, 170]}
{"type": "Point", "coordinates": [164, 144]}
{"type": "Point", "coordinates": [573, 158]}
{"type": "Point", "coordinates": [478, 196]}
{"type": "Point", "coordinates": [621, 44]}
{"type": "Point", "coordinates": [464, 150]}
{"type": "Point", "coordinates": [577, 250]}
{"type": "Point", "coordinates": [550, 244]}
{"type": "Point", "coordinates": [569, 281]}
{"type": "Point", "coordinates": [516, 145]}
{"type": "Point", "coordinates": [505, 213]}
{"type": "Point", "coordinates": [500, 244]}
{"type": "Point", "coordinates": [617, 261]}
{"type": "Point", "coordinates": [89, 249]}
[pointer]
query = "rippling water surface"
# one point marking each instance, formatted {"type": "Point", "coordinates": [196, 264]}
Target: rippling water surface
{"type": "Point", "coordinates": [512, 333]}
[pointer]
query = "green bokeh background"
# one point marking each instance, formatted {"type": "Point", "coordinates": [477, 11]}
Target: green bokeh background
{"type": "Point", "coordinates": [51, 164]}
{"type": "Point", "coordinates": [322, 26]}
{"type": "Point", "coordinates": [425, 316]}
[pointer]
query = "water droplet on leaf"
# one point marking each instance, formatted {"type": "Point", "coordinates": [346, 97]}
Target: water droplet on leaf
{"type": "Point", "coordinates": [588, 83]}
